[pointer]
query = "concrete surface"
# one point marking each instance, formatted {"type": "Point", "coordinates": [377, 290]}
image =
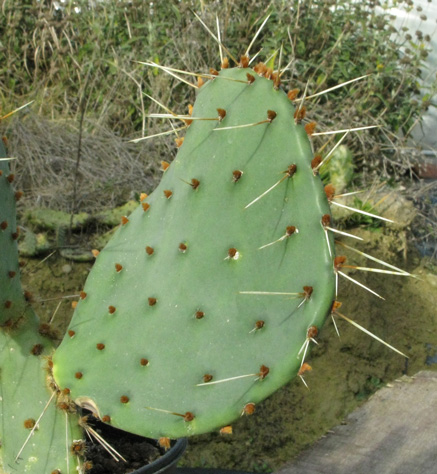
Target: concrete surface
{"type": "Point", "coordinates": [394, 432]}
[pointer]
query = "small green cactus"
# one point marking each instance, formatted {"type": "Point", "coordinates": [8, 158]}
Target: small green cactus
{"type": "Point", "coordinates": [340, 169]}
{"type": "Point", "coordinates": [36, 426]}
{"type": "Point", "coordinates": [207, 297]}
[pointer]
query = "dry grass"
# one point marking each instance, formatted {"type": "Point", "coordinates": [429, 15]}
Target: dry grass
{"type": "Point", "coordinates": [111, 169]}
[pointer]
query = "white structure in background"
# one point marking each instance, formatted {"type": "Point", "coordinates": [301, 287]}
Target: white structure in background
{"type": "Point", "coordinates": [423, 18]}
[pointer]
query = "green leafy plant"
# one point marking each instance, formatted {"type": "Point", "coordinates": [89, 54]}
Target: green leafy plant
{"type": "Point", "coordinates": [357, 219]}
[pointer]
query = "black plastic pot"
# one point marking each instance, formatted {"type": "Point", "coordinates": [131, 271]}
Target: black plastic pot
{"type": "Point", "coordinates": [166, 464]}
{"type": "Point", "coordinates": [127, 444]}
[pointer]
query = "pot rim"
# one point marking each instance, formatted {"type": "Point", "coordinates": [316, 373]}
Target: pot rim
{"type": "Point", "coordinates": [166, 461]}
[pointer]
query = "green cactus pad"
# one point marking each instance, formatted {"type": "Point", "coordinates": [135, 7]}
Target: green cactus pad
{"type": "Point", "coordinates": [24, 394]}
{"type": "Point", "coordinates": [173, 303]}
{"type": "Point", "coordinates": [24, 375]}
{"type": "Point", "coordinates": [11, 295]}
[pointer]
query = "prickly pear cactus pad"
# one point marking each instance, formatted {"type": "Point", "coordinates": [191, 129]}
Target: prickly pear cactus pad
{"type": "Point", "coordinates": [208, 296]}
{"type": "Point", "coordinates": [29, 403]}
{"type": "Point", "coordinates": [10, 282]}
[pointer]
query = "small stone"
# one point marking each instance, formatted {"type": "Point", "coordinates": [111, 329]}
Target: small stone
{"type": "Point", "coordinates": [66, 269]}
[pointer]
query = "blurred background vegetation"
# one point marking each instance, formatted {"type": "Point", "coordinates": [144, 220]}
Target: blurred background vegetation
{"type": "Point", "coordinates": [77, 60]}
